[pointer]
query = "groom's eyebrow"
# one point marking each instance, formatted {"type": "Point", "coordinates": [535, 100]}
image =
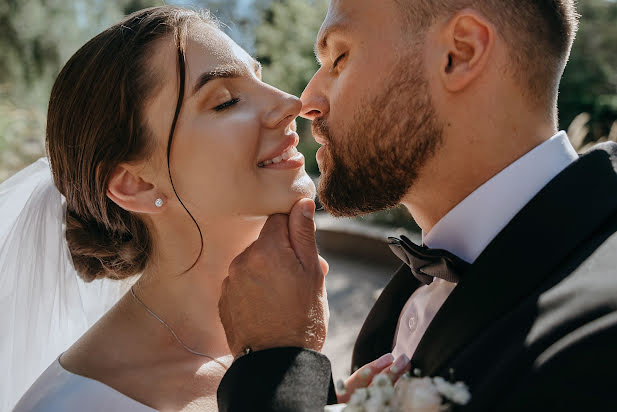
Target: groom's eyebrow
{"type": "Point", "coordinates": [225, 72]}
{"type": "Point", "coordinates": [340, 27]}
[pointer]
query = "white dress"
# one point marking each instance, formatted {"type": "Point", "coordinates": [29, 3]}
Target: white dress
{"type": "Point", "coordinates": [59, 390]}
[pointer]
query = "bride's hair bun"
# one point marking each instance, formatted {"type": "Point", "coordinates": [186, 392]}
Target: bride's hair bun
{"type": "Point", "coordinates": [100, 253]}
{"type": "Point", "coordinates": [95, 122]}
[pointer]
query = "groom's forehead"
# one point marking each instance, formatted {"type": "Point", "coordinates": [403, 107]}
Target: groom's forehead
{"type": "Point", "coordinates": [347, 16]}
{"type": "Point", "coordinates": [340, 18]}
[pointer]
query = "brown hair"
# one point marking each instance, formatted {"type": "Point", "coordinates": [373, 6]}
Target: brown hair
{"type": "Point", "coordinates": [95, 122]}
{"type": "Point", "coordinates": [539, 32]}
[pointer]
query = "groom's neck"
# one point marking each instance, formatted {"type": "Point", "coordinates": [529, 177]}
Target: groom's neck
{"type": "Point", "coordinates": [475, 148]}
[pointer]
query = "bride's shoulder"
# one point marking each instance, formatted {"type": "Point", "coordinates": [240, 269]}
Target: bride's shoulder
{"type": "Point", "coordinates": [60, 390]}
{"type": "Point", "coordinates": [97, 353]}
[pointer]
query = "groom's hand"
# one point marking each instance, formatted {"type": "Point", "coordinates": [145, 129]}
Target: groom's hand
{"type": "Point", "coordinates": [275, 293]}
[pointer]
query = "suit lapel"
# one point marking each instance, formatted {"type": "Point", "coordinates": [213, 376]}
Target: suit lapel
{"type": "Point", "coordinates": [566, 212]}
{"type": "Point", "coordinates": [377, 334]}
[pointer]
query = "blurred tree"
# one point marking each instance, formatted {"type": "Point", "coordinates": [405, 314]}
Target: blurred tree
{"type": "Point", "coordinates": [285, 42]}
{"type": "Point", "coordinates": [36, 38]}
{"type": "Point", "coordinates": [240, 18]}
{"type": "Point", "coordinates": [590, 79]}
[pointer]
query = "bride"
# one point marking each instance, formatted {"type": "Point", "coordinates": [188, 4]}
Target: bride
{"type": "Point", "coordinates": [169, 152]}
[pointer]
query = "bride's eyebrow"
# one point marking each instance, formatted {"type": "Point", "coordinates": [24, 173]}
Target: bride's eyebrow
{"type": "Point", "coordinates": [226, 72]}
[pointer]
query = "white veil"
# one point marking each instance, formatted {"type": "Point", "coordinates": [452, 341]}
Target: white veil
{"type": "Point", "coordinates": [44, 304]}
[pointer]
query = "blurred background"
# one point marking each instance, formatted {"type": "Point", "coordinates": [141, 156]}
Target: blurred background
{"type": "Point", "coordinates": [38, 36]}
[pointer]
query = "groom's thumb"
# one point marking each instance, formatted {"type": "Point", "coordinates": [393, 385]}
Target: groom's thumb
{"type": "Point", "coordinates": [302, 232]}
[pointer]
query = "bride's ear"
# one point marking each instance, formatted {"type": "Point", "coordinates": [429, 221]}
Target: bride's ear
{"type": "Point", "coordinates": [131, 192]}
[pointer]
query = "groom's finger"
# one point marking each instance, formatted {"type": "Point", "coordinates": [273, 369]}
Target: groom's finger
{"type": "Point", "coordinates": [225, 314]}
{"type": "Point", "coordinates": [275, 230]}
{"type": "Point", "coordinates": [302, 233]}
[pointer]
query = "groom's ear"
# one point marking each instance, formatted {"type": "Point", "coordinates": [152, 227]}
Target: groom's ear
{"type": "Point", "coordinates": [128, 189]}
{"type": "Point", "coordinates": [467, 41]}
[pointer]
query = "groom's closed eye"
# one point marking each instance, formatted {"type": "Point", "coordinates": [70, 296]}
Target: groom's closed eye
{"type": "Point", "coordinates": [338, 61]}
{"type": "Point", "coordinates": [339, 29]}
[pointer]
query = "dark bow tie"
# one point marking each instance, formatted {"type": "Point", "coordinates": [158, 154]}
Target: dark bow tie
{"type": "Point", "coordinates": [427, 264]}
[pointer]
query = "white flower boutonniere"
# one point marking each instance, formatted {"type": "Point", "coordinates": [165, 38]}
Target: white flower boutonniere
{"type": "Point", "coordinates": [410, 394]}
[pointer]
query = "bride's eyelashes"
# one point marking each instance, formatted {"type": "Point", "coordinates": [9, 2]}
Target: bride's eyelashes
{"type": "Point", "coordinates": [226, 105]}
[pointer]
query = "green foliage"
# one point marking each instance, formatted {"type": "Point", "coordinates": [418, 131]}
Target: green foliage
{"type": "Point", "coordinates": [285, 42]}
{"type": "Point", "coordinates": [21, 131]}
{"type": "Point", "coordinates": [590, 79]}
{"type": "Point", "coordinates": [36, 38]}
{"type": "Point", "coordinates": [239, 17]}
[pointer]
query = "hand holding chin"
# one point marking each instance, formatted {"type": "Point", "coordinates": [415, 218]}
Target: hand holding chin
{"type": "Point", "coordinates": [274, 295]}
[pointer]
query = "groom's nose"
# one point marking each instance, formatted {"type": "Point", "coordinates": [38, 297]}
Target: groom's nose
{"type": "Point", "coordinates": [314, 101]}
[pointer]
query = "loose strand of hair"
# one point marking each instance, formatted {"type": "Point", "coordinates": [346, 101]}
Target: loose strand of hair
{"type": "Point", "coordinates": [181, 66]}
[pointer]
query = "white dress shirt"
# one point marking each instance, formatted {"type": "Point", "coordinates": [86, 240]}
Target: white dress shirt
{"type": "Point", "coordinates": [469, 228]}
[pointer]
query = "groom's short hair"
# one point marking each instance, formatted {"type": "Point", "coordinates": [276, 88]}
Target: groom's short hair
{"type": "Point", "coordinates": [539, 32]}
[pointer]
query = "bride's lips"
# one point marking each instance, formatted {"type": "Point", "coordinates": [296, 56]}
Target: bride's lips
{"type": "Point", "coordinates": [284, 156]}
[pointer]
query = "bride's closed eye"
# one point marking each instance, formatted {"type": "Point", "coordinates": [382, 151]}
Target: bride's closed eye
{"type": "Point", "coordinates": [227, 104]}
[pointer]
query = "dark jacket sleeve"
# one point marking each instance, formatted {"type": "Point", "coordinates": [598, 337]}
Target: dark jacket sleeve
{"type": "Point", "coordinates": [280, 379]}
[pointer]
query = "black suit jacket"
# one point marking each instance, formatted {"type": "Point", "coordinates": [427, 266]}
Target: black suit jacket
{"type": "Point", "coordinates": [532, 324]}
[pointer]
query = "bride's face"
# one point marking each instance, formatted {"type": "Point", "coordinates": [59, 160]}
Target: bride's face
{"type": "Point", "coordinates": [232, 132]}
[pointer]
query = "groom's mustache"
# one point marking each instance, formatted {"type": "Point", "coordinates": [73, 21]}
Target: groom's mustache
{"type": "Point", "coordinates": [320, 130]}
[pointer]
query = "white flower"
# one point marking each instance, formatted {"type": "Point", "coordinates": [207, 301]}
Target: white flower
{"type": "Point", "coordinates": [410, 394]}
{"type": "Point", "coordinates": [359, 397]}
{"type": "Point", "coordinates": [354, 408]}
{"type": "Point", "coordinates": [341, 389]}
{"type": "Point", "coordinates": [381, 380]}
{"type": "Point", "coordinates": [416, 394]}
{"type": "Point", "coordinates": [335, 408]}
{"type": "Point", "coordinates": [381, 390]}
{"type": "Point", "coordinates": [455, 392]}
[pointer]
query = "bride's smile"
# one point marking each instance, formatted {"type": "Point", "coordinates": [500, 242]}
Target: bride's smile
{"type": "Point", "coordinates": [233, 133]}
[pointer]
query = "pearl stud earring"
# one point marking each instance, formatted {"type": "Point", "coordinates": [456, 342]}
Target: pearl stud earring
{"type": "Point", "coordinates": [158, 202]}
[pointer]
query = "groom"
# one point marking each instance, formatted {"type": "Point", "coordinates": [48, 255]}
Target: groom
{"type": "Point", "coordinates": [448, 107]}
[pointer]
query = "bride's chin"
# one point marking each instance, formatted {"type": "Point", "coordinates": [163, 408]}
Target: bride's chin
{"type": "Point", "coordinates": [303, 191]}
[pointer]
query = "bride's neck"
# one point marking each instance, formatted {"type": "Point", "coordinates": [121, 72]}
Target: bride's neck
{"type": "Point", "coordinates": [188, 299]}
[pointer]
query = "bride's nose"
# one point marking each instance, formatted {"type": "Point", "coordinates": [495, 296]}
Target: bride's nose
{"type": "Point", "coordinates": [283, 110]}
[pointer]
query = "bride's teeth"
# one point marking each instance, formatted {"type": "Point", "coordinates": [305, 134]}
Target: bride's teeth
{"type": "Point", "coordinates": [288, 154]}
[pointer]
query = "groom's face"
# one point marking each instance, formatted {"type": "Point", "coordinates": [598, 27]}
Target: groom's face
{"type": "Point", "coordinates": [370, 106]}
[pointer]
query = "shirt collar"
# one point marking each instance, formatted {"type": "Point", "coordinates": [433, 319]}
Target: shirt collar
{"type": "Point", "coordinates": [472, 224]}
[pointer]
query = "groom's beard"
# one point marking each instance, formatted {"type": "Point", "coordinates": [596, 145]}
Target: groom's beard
{"type": "Point", "coordinates": [370, 163]}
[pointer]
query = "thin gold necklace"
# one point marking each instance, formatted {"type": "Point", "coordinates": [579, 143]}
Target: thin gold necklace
{"type": "Point", "coordinates": [174, 333]}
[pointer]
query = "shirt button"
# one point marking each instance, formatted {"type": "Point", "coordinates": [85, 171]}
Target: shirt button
{"type": "Point", "coordinates": [412, 323]}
